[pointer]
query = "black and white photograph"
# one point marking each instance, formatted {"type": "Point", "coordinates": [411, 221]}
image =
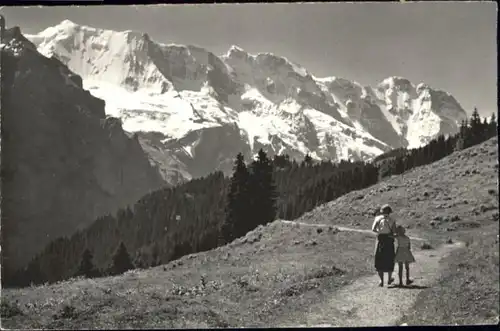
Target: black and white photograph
{"type": "Point", "coordinates": [256, 165]}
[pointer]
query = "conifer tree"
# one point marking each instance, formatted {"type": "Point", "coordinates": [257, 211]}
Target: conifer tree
{"type": "Point", "coordinates": [262, 190]}
{"type": "Point", "coordinates": [238, 209]}
{"type": "Point", "coordinates": [121, 260]}
{"type": "Point", "coordinates": [139, 260]}
{"type": "Point", "coordinates": [281, 161]}
{"type": "Point", "coordinates": [86, 267]}
{"type": "Point", "coordinates": [492, 126]}
{"type": "Point", "coordinates": [476, 131]}
{"type": "Point", "coordinates": [440, 147]}
{"type": "Point", "coordinates": [462, 136]}
{"type": "Point", "coordinates": [484, 124]}
{"type": "Point", "coordinates": [308, 161]}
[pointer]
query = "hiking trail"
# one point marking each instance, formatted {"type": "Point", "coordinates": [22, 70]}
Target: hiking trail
{"type": "Point", "coordinates": [363, 303]}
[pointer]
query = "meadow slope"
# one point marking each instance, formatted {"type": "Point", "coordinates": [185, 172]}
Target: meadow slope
{"type": "Point", "coordinates": [292, 274]}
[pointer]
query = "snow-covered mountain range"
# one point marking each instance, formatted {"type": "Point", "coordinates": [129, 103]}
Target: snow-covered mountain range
{"type": "Point", "coordinates": [194, 110]}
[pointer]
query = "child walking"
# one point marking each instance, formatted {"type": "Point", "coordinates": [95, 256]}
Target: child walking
{"type": "Point", "coordinates": [403, 255]}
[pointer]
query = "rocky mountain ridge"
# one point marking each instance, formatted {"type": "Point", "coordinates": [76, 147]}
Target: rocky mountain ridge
{"type": "Point", "coordinates": [64, 162]}
{"type": "Point", "coordinates": [202, 108]}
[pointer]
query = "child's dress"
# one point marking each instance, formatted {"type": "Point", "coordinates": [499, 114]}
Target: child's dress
{"type": "Point", "coordinates": [403, 252]}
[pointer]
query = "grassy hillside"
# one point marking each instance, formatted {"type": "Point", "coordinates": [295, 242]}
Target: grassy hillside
{"type": "Point", "coordinates": [281, 269]}
{"type": "Point", "coordinates": [167, 224]}
{"type": "Point", "coordinates": [274, 268]}
{"type": "Point", "coordinates": [467, 293]}
{"type": "Point", "coordinates": [446, 198]}
{"type": "Point", "coordinates": [455, 198]}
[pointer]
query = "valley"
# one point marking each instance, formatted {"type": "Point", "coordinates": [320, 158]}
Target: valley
{"type": "Point", "coordinates": [280, 271]}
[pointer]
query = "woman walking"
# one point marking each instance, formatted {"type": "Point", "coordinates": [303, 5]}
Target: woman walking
{"type": "Point", "coordinates": [385, 227]}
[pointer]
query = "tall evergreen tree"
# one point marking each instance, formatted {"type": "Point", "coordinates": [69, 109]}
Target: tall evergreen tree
{"type": "Point", "coordinates": [86, 267]}
{"type": "Point", "coordinates": [121, 260]}
{"type": "Point", "coordinates": [262, 190]}
{"type": "Point", "coordinates": [281, 161]}
{"type": "Point", "coordinates": [492, 126]}
{"type": "Point", "coordinates": [238, 209]}
{"type": "Point", "coordinates": [308, 161]}
{"type": "Point", "coordinates": [476, 129]}
{"type": "Point", "coordinates": [139, 260]}
{"type": "Point", "coordinates": [462, 136]}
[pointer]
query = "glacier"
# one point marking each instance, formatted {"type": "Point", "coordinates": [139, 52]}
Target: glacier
{"type": "Point", "coordinates": [199, 109]}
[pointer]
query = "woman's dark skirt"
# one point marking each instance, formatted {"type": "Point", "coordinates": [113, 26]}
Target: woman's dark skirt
{"type": "Point", "coordinates": [384, 253]}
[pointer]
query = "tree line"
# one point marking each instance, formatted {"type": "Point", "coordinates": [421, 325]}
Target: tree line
{"type": "Point", "coordinates": [472, 132]}
{"type": "Point", "coordinates": [213, 210]}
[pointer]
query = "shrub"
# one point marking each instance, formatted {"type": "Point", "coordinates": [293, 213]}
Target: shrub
{"type": "Point", "coordinates": [67, 312]}
{"type": "Point", "coordinates": [426, 246]}
{"type": "Point", "coordinates": [9, 310]}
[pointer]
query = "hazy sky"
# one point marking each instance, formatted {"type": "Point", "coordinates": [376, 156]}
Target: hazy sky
{"type": "Point", "coordinates": [449, 45]}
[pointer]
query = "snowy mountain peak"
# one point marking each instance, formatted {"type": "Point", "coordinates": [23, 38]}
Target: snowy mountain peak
{"type": "Point", "coordinates": [136, 36]}
{"type": "Point", "coordinates": [118, 58]}
{"type": "Point", "coordinates": [397, 83]}
{"type": "Point", "coordinates": [194, 99]}
{"type": "Point", "coordinates": [396, 80]}
{"type": "Point", "coordinates": [265, 61]}
{"type": "Point", "coordinates": [339, 81]}
{"type": "Point", "coordinates": [66, 27]}
{"type": "Point", "coordinates": [421, 87]}
{"type": "Point", "coordinates": [67, 22]}
{"type": "Point", "coordinates": [275, 62]}
{"type": "Point", "coordinates": [236, 51]}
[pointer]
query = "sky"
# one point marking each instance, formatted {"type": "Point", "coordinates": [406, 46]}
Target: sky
{"type": "Point", "coordinates": [449, 45]}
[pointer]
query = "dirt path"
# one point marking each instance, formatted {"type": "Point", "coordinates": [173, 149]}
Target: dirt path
{"type": "Point", "coordinates": [363, 303]}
